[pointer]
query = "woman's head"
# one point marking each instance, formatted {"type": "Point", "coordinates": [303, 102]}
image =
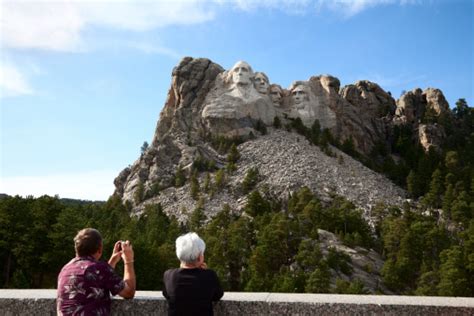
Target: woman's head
{"type": "Point", "coordinates": [189, 247]}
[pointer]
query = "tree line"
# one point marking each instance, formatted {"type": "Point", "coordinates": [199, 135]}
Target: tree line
{"type": "Point", "coordinates": [428, 247]}
{"type": "Point", "coordinates": [269, 247]}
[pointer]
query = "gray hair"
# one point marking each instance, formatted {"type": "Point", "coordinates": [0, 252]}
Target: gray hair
{"type": "Point", "coordinates": [189, 247]}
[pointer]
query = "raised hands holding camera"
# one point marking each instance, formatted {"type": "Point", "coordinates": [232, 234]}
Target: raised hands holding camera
{"type": "Point", "coordinates": [122, 249]}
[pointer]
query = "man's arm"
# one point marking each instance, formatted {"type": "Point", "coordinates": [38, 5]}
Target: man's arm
{"type": "Point", "coordinates": [116, 254]}
{"type": "Point", "coordinates": [128, 271]}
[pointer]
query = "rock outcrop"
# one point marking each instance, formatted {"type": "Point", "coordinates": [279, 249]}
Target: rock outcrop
{"type": "Point", "coordinates": [286, 162]}
{"type": "Point", "coordinates": [205, 101]}
{"type": "Point", "coordinates": [366, 264]}
{"type": "Point", "coordinates": [418, 109]}
{"type": "Point", "coordinates": [366, 115]}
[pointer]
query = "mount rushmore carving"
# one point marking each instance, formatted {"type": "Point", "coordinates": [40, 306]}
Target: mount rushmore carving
{"type": "Point", "coordinates": [241, 96]}
{"type": "Point", "coordinates": [205, 101]}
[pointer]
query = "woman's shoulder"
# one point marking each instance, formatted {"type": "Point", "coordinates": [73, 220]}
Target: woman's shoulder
{"type": "Point", "coordinates": [170, 272]}
{"type": "Point", "coordinates": [209, 273]}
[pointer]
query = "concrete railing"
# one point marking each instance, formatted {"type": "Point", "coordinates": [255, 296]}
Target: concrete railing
{"type": "Point", "coordinates": [43, 302]}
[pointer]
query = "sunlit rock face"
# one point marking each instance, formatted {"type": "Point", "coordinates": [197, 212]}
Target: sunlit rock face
{"type": "Point", "coordinates": [237, 102]}
{"type": "Point", "coordinates": [366, 113]}
{"type": "Point", "coordinates": [418, 108]}
{"type": "Point", "coordinates": [240, 97]}
{"type": "Point", "coordinates": [430, 136]}
{"type": "Point", "coordinates": [205, 101]}
{"type": "Point", "coordinates": [309, 102]}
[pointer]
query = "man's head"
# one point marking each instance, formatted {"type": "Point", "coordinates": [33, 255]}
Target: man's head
{"type": "Point", "coordinates": [87, 242]}
{"type": "Point", "coordinates": [261, 82]}
{"type": "Point", "coordinates": [240, 74]}
{"type": "Point", "coordinates": [299, 94]}
{"type": "Point", "coordinates": [189, 248]}
{"type": "Point", "coordinates": [276, 94]}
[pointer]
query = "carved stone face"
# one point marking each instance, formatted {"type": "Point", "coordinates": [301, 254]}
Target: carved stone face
{"type": "Point", "coordinates": [276, 95]}
{"type": "Point", "coordinates": [299, 95]}
{"type": "Point", "coordinates": [261, 83]}
{"type": "Point", "coordinates": [241, 73]}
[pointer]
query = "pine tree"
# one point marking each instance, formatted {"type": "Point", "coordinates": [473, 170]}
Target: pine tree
{"type": "Point", "coordinates": [260, 126]}
{"type": "Point", "coordinates": [309, 255]}
{"type": "Point", "coordinates": [448, 200]}
{"type": "Point", "coordinates": [256, 204]}
{"type": "Point", "coordinates": [144, 147]}
{"type": "Point", "coordinates": [427, 284]}
{"type": "Point", "coordinates": [216, 236]}
{"type": "Point", "coordinates": [219, 180]}
{"type": "Point", "coordinates": [430, 116]}
{"type": "Point", "coordinates": [233, 156]}
{"type": "Point", "coordinates": [413, 185]}
{"type": "Point", "coordinates": [346, 287]}
{"type": "Point", "coordinates": [461, 209]}
{"type": "Point", "coordinates": [315, 132]}
{"type": "Point", "coordinates": [453, 276]}
{"type": "Point", "coordinates": [195, 188]}
{"type": "Point", "coordinates": [432, 199]}
{"type": "Point", "coordinates": [139, 193]}
{"type": "Point", "coordinates": [270, 253]}
{"type": "Point", "coordinates": [451, 161]}
{"type": "Point", "coordinates": [179, 178]}
{"type": "Point", "coordinates": [276, 122]}
{"type": "Point", "coordinates": [462, 109]}
{"type": "Point", "coordinates": [207, 183]}
{"type": "Point", "coordinates": [250, 180]}
{"type": "Point", "coordinates": [319, 280]}
{"type": "Point", "coordinates": [197, 218]}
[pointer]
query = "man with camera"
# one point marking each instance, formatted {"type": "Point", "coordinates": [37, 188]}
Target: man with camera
{"type": "Point", "coordinates": [85, 283]}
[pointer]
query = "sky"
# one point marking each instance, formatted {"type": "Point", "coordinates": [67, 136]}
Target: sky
{"type": "Point", "coordinates": [82, 83]}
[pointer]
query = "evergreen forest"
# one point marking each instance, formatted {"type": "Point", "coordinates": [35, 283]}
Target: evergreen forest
{"type": "Point", "coordinates": [427, 245]}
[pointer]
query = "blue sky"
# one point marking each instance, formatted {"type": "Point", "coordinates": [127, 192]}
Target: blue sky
{"type": "Point", "coordinates": [82, 83]}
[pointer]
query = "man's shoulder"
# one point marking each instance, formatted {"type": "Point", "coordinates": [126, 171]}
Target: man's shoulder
{"type": "Point", "coordinates": [100, 267]}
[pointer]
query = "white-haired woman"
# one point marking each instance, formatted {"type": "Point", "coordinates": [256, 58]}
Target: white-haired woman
{"type": "Point", "coordinates": [191, 289]}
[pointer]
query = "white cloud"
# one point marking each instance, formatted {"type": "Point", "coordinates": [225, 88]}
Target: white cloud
{"type": "Point", "coordinates": [12, 81]}
{"type": "Point", "coordinates": [347, 8]}
{"type": "Point", "coordinates": [54, 25]}
{"type": "Point", "coordinates": [288, 6]}
{"type": "Point", "coordinates": [59, 25]}
{"type": "Point", "coordinates": [95, 185]}
{"type": "Point", "coordinates": [142, 15]}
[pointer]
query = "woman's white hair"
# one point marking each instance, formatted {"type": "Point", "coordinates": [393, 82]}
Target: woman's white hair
{"type": "Point", "coordinates": [189, 247]}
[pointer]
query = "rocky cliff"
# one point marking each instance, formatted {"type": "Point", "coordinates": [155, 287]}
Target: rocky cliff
{"type": "Point", "coordinates": [206, 103]}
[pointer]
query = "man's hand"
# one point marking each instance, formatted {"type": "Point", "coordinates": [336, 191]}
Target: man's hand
{"type": "Point", "coordinates": [128, 271]}
{"type": "Point", "coordinates": [127, 252]}
{"type": "Point", "coordinates": [116, 254]}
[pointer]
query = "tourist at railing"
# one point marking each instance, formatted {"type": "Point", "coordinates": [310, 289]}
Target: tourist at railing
{"type": "Point", "coordinates": [191, 289]}
{"type": "Point", "coordinates": [85, 282]}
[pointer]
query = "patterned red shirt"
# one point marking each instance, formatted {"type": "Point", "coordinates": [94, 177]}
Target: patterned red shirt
{"type": "Point", "coordinates": [84, 285]}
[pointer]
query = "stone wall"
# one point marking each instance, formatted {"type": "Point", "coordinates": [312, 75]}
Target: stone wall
{"type": "Point", "coordinates": [42, 302]}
